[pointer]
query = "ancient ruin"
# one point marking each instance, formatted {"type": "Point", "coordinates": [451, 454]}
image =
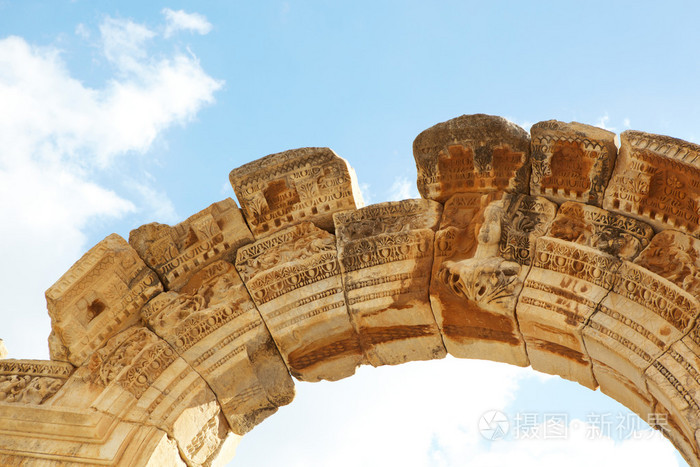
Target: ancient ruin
{"type": "Point", "coordinates": [552, 250]}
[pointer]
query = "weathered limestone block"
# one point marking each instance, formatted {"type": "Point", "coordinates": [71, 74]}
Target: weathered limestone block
{"type": "Point", "coordinates": [667, 288]}
{"type": "Point", "coordinates": [283, 189]}
{"type": "Point", "coordinates": [571, 161]}
{"type": "Point", "coordinates": [566, 283]}
{"type": "Point", "coordinates": [482, 255]}
{"type": "Point", "coordinates": [214, 326]}
{"type": "Point", "coordinates": [472, 154]}
{"type": "Point", "coordinates": [644, 314]}
{"type": "Point", "coordinates": [176, 253]}
{"type": "Point", "coordinates": [294, 279]}
{"type": "Point", "coordinates": [386, 253]}
{"type": "Point", "coordinates": [137, 377]}
{"type": "Point", "coordinates": [614, 234]}
{"type": "Point", "coordinates": [57, 436]}
{"type": "Point", "coordinates": [100, 295]}
{"type": "Point", "coordinates": [619, 237]}
{"type": "Point", "coordinates": [31, 381]}
{"type": "Point", "coordinates": [674, 382]}
{"type": "Point", "coordinates": [3, 350]}
{"type": "Point", "coordinates": [657, 179]}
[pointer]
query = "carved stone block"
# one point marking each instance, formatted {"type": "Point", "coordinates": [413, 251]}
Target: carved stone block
{"type": "Point", "coordinates": [294, 279]}
{"type": "Point", "coordinates": [674, 382]}
{"type": "Point", "coordinates": [31, 381]}
{"type": "Point", "coordinates": [386, 253]}
{"type": "Point", "coordinates": [571, 161]}
{"type": "Point", "coordinates": [674, 256]}
{"type": "Point", "coordinates": [176, 253]}
{"type": "Point", "coordinates": [482, 255]}
{"type": "Point", "coordinates": [472, 154]}
{"type": "Point", "coordinates": [634, 324]}
{"type": "Point", "coordinates": [283, 189]}
{"type": "Point", "coordinates": [657, 180]}
{"type": "Point", "coordinates": [139, 378]}
{"type": "Point", "coordinates": [614, 234]}
{"type": "Point", "coordinates": [100, 295]}
{"type": "Point", "coordinates": [566, 283]}
{"type": "Point", "coordinates": [41, 435]}
{"type": "Point", "coordinates": [214, 326]}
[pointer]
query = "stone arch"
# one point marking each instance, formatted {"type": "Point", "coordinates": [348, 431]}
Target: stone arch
{"type": "Point", "coordinates": [552, 250]}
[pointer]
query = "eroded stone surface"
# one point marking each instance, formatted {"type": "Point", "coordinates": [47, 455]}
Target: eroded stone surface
{"type": "Point", "coordinates": [566, 283]}
{"type": "Point", "coordinates": [283, 189]}
{"type": "Point", "coordinates": [214, 326]}
{"type": "Point", "coordinates": [614, 234]}
{"type": "Point", "coordinates": [657, 180]}
{"type": "Point", "coordinates": [386, 254]}
{"type": "Point", "coordinates": [177, 253]}
{"type": "Point", "coordinates": [472, 154]}
{"type": "Point", "coordinates": [138, 378]}
{"type": "Point", "coordinates": [480, 263]}
{"type": "Point", "coordinates": [31, 381]}
{"type": "Point", "coordinates": [294, 279]}
{"type": "Point", "coordinates": [100, 295]}
{"type": "Point", "coordinates": [571, 161]}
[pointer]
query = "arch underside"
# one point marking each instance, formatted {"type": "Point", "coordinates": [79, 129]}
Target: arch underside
{"type": "Point", "coordinates": [552, 250]}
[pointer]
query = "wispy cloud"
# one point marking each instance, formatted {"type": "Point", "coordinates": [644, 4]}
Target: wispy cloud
{"type": "Point", "coordinates": [60, 137]}
{"type": "Point", "coordinates": [402, 188]}
{"type": "Point", "coordinates": [179, 20]}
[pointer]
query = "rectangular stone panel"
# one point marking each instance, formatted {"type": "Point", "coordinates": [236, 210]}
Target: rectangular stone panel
{"type": "Point", "coordinates": [177, 253]}
{"type": "Point", "coordinates": [571, 161]}
{"type": "Point", "coordinates": [472, 154]}
{"type": "Point", "coordinates": [283, 189]}
{"type": "Point", "coordinates": [214, 326]}
{"type": "Point", "coordinates": [566, 283]}
{"type": "Point", "coordinates": [31, 381]}
{"type": "Point", "coordinates": [295, 281]}
{"type": "Point", "coordinates": [657, 180]}
{"type": "Point", "coordinates": [100, 295]}
{"type": "Point", "coordinates": [483, 251]}
{"type": "Point", "coordinates": [386, 253]}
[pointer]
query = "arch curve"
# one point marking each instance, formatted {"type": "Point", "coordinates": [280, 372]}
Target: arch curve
{"type": "Point", "coordinates": [553, 250]}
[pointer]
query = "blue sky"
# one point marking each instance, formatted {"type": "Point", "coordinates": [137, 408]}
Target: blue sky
{"type": "Point", "coordinates": [114, 115]}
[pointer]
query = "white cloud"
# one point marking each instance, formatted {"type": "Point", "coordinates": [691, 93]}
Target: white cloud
{"type": "Point", "coordinates": [182, 21]}
{"type": "Point", "coordinates": [626, 123]}
{"type": "Point", "coordinates": [402, 188]}
{"type": "Point", "coordinates": [59, 138]}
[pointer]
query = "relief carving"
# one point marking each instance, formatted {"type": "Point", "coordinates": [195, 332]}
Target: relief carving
{"type": "Point", "coordinates": [614, 234]}
{"type": "Point", "coordinates": [385, 253]}
{"type": "Point", "coordinates": [301, 299]}
{"type": "Point", "coordinates": [99, 296]}
{"type": "Point", "coordinates": [674, 256]}
{"type": "Point", "coordinates": [307, 184]}
{"type": "Point", "coordinates": [31, 381]}
{"type": "Point", "coordinates": [657, 180]}
{"type": "Point", "coordinates": [571, 161]}
{"type": "Point", "coordinates": [214, 325]}
{"type": "Point", "coordinates": [472, 154]}
{"type": "Point", "coordinates": [176, 253]}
